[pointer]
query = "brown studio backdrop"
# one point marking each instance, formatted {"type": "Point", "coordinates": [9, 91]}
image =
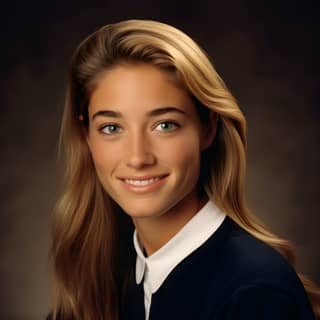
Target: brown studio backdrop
{"type": "Point", "coordinates": [268, 58]}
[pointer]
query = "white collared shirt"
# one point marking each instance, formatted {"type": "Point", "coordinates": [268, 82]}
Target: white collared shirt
{"type": "Point", "coordinates": [155, 268]}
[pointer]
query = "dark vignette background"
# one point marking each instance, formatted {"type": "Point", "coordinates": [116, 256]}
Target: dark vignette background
{"type": "Point", "coordinates": [267, 53]}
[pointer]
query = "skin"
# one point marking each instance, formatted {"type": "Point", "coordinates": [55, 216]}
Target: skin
{"type": "Point", "coordinates": [136, 144]}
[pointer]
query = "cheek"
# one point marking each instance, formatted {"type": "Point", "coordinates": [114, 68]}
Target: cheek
{"type": "Point", "coordinates": [183, 153]}
{"type": "Point", "coordinates": [103, 157]}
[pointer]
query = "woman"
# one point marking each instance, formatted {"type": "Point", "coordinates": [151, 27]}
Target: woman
{"type": "Point", "coordinates": [154, 223]}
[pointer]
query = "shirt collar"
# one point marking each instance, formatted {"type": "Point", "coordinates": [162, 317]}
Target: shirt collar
{"type": "Point", "coordinates": [191, 236]}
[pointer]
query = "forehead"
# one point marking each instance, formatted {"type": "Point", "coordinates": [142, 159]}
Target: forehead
{"type": "Point", "coordinates": [138, 87]}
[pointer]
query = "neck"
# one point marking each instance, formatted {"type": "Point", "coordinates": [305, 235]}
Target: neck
{"type": "Point", "coordinates": [154, 232]}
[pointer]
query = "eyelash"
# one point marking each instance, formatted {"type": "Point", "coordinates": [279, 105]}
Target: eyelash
{"type": "Point", "coordinates": [159, 123]}
{"type": "Point", "coordinates": [169, 122]}
{"type": "Point", "coordinates": [106, 126]}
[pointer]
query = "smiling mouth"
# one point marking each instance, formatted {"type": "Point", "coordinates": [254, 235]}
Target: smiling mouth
{"type": "Point", "coordinates": [142, 181]}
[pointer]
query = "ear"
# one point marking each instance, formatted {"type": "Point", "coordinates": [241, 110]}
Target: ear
{"type": "Point", "coordinates": [209, 131]}
{"type": "Point", "coordinates": [86, 133]}
{"type": "Point", "coordinates": [88, 141]}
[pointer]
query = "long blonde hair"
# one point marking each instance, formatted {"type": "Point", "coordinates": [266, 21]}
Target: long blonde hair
{"type": "Point", "coordinates": [91, 249]}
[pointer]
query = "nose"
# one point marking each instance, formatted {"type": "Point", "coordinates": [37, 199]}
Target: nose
{"type": "Point", "coordinates": [140, 152]}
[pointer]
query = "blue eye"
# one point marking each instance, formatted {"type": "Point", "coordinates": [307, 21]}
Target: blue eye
{"type": "Point", "coordinates": [167, 126]}
{"type": "Point", "coordinates": [110, 129]}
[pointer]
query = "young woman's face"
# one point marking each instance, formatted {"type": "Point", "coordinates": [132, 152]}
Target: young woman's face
{"type": "Point", "coordinates": [145, 139]}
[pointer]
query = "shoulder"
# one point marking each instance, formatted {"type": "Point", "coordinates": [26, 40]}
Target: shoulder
{"type": "Point", "coordinates": [256, 279]}
{"type": "Point", "coordinates": [250, 260]}
{"type": "Point", "coordinates": [262, 301]}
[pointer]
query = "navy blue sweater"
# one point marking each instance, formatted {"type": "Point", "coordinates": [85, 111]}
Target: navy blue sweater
{"type": "Point", "coordinates": [231, 276]}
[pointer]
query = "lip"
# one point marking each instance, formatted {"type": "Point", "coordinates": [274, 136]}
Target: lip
{"type": "Point", "coordinates": [146, 188]}
{"type": "Point", "coordinates": [147, 177]}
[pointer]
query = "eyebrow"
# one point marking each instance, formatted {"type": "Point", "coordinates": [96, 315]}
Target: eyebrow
{"type": "Point", "coordinates": [151, 113]}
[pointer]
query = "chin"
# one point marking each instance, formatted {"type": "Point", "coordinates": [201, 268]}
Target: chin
{"type": "Point", "coordinates": [135, 213]}
{"type": "Point", "coordinates": [143, 210]}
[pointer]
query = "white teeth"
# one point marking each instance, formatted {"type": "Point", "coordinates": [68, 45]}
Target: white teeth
{"type": "Point", "coordinates": [141, 182]}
